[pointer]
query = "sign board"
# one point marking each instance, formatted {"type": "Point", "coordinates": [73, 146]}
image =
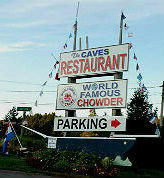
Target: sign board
{"type": "Point", "coordinates": [24, 108]}
{"type": "Point", "coordinates": [106, 94]}
{"type": "Point", "coordinates": [96, 123]}
{"type": "Point", "coordinates": [52, 142]}
{"type": "Point", "coordinates": [108, 59]}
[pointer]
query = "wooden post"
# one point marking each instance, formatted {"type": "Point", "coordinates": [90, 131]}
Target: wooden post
{"type": "Point", "coordinates": [22, 129]}
{"type": "Point", "coordinates": [161, 114]}
{"type": "Point", "coordinates": [118, 75]}
{"type": "Point", "coordinates": [87, 44]}
{"type": "Point", "coordinates": [72, 113]}
{"type": "Point", "coordinates": [80, 43]}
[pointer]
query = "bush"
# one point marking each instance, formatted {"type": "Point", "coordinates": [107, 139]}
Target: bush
{"type": "Point", "coordinates": [72, 162]}
{"type": "Point", "coordinates": [62, 166]}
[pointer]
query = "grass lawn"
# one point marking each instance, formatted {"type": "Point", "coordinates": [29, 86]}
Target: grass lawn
{"type": "Point", "coordinates": [14, 163]}
{"type": "Point", "coordinates": [139, 173]}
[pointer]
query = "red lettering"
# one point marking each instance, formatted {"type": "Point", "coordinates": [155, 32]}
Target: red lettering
{"type": "Point", "coordinates": [86, 67]}
{"type": "Point", "coordinates": [81, 66]}
{"type": "Point", "coordinates": [119, 100]}
{"type": "Point", "coordinates": [77, 68]}
{"type": "Point", "coordinates": [106, 101]}
{"type": "Point", "coordinates": [99, 102]}
{"type": "Point", "coordinates": [108, 63]}
{"type": "Point", "coordinates": [79, 103]}
{"type": "Point", "coordinates": [69, 67]}
{"type": "Point", "coordinates": [90, 102]}
{"type": "Point", "coordinates": [93, 69]}
{"type": "Point", "coordinates": [113, 101]}
{"type": "Point", "coordinates": [85, 102]}
{"type": "Point", "coordinates": [100, 63]}
{"type": "Point", "coordinates": [123, 59]}
{"type": "Point", "coordinates": [63, 67]}
{"type": "Point", "coordinates": [115, 62]}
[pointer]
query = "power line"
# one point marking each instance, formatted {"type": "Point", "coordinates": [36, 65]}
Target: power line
{"type": "Point", "coordinates": [26, 83]}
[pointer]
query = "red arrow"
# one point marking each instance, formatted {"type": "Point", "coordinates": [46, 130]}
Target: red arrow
{"type": "Point", "coordinates": [115, 123]}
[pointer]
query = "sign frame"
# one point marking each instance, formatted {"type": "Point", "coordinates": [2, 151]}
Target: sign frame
{"type": "Point", "coordinates": [94, 123]}
{"type": "Point", "coordinates": [73, 108]}
{"type": "Point", "coordinates": [93, 74]}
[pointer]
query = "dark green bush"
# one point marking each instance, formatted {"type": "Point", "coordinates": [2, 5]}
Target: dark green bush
{"type": "Point", "coordinates": [75, 162]}
{"type": "Point", "coordinates": [62, 166]}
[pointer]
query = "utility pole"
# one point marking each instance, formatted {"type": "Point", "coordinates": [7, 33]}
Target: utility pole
{"type": "Point", "coordinates": [161, 114]}
{"type": "Point", "coordinates": [72, 113]}
{"type": "Point", "coordinates": [119, 75]}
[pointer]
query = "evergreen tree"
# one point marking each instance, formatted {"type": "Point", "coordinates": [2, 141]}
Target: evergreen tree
{"type": "Point", "coordinates": [138, 107]}
{"type": "Point", "coordinates": [12, 115]}
{"type": "Point", "coordinates": [138, 115]}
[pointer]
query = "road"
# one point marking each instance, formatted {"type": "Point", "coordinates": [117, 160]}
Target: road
{"type": "Point", "coordinates": [17, 174]}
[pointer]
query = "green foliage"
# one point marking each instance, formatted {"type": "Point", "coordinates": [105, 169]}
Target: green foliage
{"type": "Point", "coordinates": [66, 161]}
{"type": "Point", "coordinates": [138, 115]}
{"type": "Point", "coordinates": [138, 107]}
{"type": "Point", "coordinates": [12, 115]}
{"type": "Point", "coordinates": [62, 166]}
{"type": "Point", "coordinates": [42, 123]}
{"type": "Point", "coordinates": [107, 164]}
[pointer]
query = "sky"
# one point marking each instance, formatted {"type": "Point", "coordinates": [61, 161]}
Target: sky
{"type": "Point", "coordinates": [30, 31]}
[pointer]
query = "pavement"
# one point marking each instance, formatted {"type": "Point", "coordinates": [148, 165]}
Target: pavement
{"type": "Point", "coordinates": [17, 174]}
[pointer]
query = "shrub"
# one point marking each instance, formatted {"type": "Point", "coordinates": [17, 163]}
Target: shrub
{"type": "Point", "coordinates": [75, 162]}
{"type": "Point", "coordinates": [62, 166]}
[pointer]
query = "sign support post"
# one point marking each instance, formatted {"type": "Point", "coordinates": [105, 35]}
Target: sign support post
{"type": "Point", "coordinates": [24, 117]}
{"type": "Point", "coordinates": [72, 79]}
{"type": "Point", "coordinates": [119, 75]}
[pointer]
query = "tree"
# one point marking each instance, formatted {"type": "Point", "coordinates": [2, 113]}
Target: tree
{"type": "Point", "coordinates": [12, 115]}
{"type": "Point", "coordinates": [138, 115]}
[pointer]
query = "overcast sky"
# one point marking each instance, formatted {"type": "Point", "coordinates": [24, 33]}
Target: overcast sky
{"type": "Point", "coordinates": [31, 30]}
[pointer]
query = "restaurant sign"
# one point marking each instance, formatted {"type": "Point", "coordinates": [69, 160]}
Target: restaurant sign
{"type": "Point", "coordinates": [108, 59]}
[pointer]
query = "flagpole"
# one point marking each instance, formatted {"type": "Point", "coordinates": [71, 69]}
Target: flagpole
{"type": "Point", "coordinates": [15, 132]}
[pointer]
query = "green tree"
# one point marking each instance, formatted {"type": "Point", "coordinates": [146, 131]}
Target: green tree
{"type": "Point", "coordinates": [138, 115]}
{"type": "Point", "coordinates": [12, 115]}
{"type": "Point", "coordinates": [42, 123]}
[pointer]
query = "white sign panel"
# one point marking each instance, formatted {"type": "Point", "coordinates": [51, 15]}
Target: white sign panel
{"type": "Point", "coordinates": [96, 123]}
{"type": "Point", "coordinates": [52, 142]}
{"type": "Point", "coordinates": [94, 61]}
{"type": "Point", "coordinates": [106, 94]}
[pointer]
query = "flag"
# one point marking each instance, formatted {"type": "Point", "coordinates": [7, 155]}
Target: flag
{"type": "Point", "coordinates": [50, 75]}
{"type": "Point", "coordinates": [126, 26]}
{"type": "Point", "coordinates": [135, 57]}
{"type": "Point", "coordinates": [9, 135]}
{"type": "Point", "coordinates": [55, 66]}
{"type": "Point", "coordinates": [137, 67]}
{"type": "Point", "coordinates": [44, 83]}
{"type": "Point", "coordinates": [65, 45]}
{"type": "Point", "coordinates": [150, 109]}
{"type": "Point", "coordinates": [70, 35]}
{"type": "Point", "coordinates": [146, 96]}
{"type": "Point", "coordinates": [130, 35]}
{"type": "Point", "coordinates": [157, 132]}
{"type": "Point", "coordinates": [153, 119]}
{"type": "Point", "coordinates": [41, 93]}
{"type": "Point", "coordinates": [139, 77]}
{"type": "Point", "coordinates": [123, 16]}
{"type": "Point", "coordinates": [130, 46]}
{"type": "Point", "coordinates": [57, 77]}
{"type": "Point", "coordinates": [36, 103]}
{"type": "Point", "coordinates": [144, 89]}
